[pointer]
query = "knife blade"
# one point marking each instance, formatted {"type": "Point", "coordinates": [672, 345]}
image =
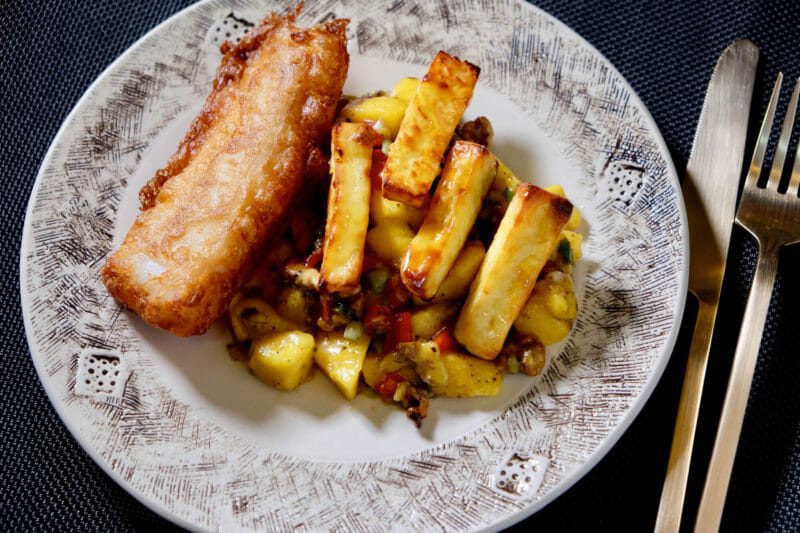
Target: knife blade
{"type": "Point", "coordinates": [709, 188]}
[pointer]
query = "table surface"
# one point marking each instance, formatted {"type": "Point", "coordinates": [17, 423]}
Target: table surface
{"type": "Point", "coordinates": [51, 53]}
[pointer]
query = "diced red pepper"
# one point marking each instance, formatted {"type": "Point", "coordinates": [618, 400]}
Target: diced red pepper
{"type": "Point", "coordinates": [370, 261]}
{"type": "Point", "coordinates": [445, 341]}
{"type": "Point", "coordinates": [314, 259]}
{"type": "Point", "coordinates": [325, 301]}
{"type": "Point", "coordinates": [399, 331]}
{"type": "Point", "coordinates": [388, 385]}
{"type": "Point", "coordinates": [377, 319]}
{"type": "Point", "coordinates": [402, 327]}
{"type": "Point", "coordinates": [396, 293]}
{"type": "Point", "coordinates": [390, 341]}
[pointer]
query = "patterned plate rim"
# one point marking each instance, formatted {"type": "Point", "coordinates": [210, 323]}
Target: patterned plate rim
{"type": "Point", "coordinates": [531, 507]}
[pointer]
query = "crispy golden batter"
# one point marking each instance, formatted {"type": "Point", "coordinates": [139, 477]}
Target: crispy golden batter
{"type": "Point", "coordinates": [233, 177]}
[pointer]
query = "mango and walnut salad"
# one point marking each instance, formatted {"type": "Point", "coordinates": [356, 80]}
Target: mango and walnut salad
{"type": "Point", "coordinates": [417, 264]}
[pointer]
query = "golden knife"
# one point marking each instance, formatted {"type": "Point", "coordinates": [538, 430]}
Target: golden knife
{"type": "Point", "coordinates": [709, 190]}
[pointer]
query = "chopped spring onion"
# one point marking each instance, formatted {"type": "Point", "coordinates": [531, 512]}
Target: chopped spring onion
{"type": "Point", "coordinates": [354, 331]}
{"type": "Point", "coordinates": [377, 279]}
{"type": "Point", "coordinates": [508, 193]}
{"type": "Point", "coordinates": [377, 346]}
{"type": "Point", "coordinates": [565, 250]}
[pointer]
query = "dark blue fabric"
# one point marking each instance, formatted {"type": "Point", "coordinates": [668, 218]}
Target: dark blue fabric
{"type": "Point", "coordinates": [51, 52]}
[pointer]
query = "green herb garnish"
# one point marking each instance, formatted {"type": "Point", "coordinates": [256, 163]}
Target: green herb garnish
{"type": "Point", "coordinates": [342, 308]}
{"type": "Point", "coordinates": [354, 331]}
{"type": "Point", "coordinates": [377, 279]}
{"type": "Point", "coordinates": [508, 193]}
{"type": "Point", "coordinates": [565, 250]}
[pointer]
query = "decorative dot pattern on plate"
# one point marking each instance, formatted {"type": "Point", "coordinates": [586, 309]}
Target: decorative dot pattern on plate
{"type": "Point", "coordinates": [100, 374]}
{"type": "Point", "coordinates": [232, 28]}
{"type": "Point", "coordinates": [624, 180]}
{"type": "Point", "coordinates": [521, 474]}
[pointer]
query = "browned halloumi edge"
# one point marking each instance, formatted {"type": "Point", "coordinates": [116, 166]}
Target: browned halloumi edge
{"type": "Point", "coordinates": [208, 212]}
{"type": "Point", "coordinates": [427, 127]}
{"type": "Point", "coordinates": [348, 207]}
{"type": "Point", "coordinates": [466, 178]}
{"type": "Point", "coordinates": [526, 238]}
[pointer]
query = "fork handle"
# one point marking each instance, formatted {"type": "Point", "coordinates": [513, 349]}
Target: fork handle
{"type": "Point", "coordinates": [718, 477]}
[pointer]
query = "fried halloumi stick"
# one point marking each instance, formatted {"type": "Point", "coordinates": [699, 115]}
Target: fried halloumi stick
{"type": "Point", "coordinates": [233, 177]}
{"type": "Point", "coordinates": [348, 207]}
{"type": "Point", "coordinates": [467, 175]}
{"type": "Point", "coordinates": [427, 127]}
{"type": "Point", "coordinates": [525, 240]}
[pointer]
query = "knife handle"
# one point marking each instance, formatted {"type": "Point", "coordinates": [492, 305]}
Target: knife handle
{"type": "Point", "coordinates": [718, 477]}
{"type": "Point", "coordinates": [670, 508]}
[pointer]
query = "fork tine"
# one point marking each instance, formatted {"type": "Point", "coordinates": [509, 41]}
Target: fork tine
{"type": "Point", "coordinates": [794, 181]}
{"type": "Point", "coordinates": [783, 142]}
{"type": "Point", "coordinates": [763, 135]}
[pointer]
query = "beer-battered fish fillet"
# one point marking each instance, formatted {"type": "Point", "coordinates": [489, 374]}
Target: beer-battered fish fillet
{"type": "Point", "coordinates": [207, 213]}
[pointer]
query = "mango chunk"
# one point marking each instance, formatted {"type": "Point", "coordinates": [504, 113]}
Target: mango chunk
{"type": "Point", "coordinates": [505, 183]}
{"type": "Point", "coordinates": [371, 370]}
{"type": "Point", "coordinates": [293, 305]}
{"type": "Point", "coordinates": [549, 312]}
{"type": "Point", "coordinates": [383, 211]}
{"type": "Point", "coordinates": [427, 321]}
{"type": "Point", "coordinates": [390, 241]}
{"type": "Point", "coordinates": [575, 218]}
{"type": "Point", "coordinates": [453, 374]}
{"type": "Point", "coordinates": [376, 367]}
{"type": "Point", "coordinates": [456, 283]}
{"type": "Point", "coordinates": [385, 113]}
{"type": "Point", "coordinates": [282, 360]}
{"type": "Point", "coordinates": [341, 359]}
{"type": "Point", "coordinates": [253, 317]}
{"type": "Point", "coordinates": [405, 89]}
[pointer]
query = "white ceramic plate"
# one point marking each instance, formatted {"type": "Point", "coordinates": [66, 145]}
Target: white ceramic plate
{"type": "Point", "coordinates": [187, 431]}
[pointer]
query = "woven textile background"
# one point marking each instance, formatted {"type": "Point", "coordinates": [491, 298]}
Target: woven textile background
{"type": "Point", "coordinates": [52, 51]}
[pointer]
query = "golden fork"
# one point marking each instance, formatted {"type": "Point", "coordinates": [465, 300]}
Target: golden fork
{"type": "Point", "coordinates": [773, 218]}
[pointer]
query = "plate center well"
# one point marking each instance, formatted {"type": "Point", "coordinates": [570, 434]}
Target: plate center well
{"type": "Point", "coordinates": [315, 421]}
